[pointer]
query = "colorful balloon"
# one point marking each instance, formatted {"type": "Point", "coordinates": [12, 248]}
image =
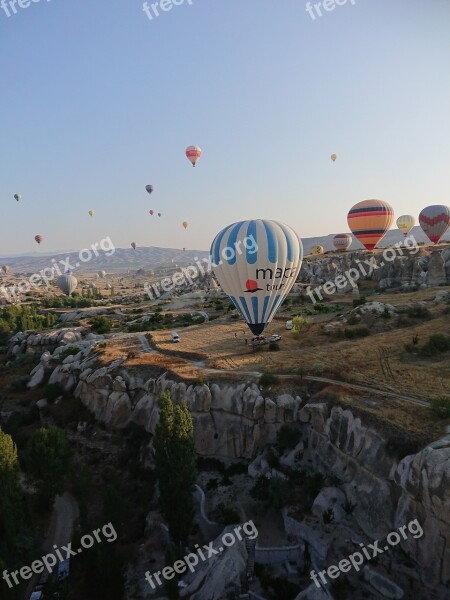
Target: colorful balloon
{"type": "Point", "coordinates": [342, 241]}
{"type": "Point", "coordinates": [149, 189]}
{"type": "Point", "coordinates": [17, 197]}
{"type": "Point", "coordinates": [193, 154]}
{"type": "Point", "coordinates": [369, 221]}
{"type": "Point", "coordinates": [39, 239]}
{"type": "Point", "coordinates": [435, 220]}
{"type": "Point", "coordinates": [67, 283]}
{"type": "Point", "coordinates": [185, 224]}
{"type": "Point", "coordinates": [317, 250]}
{"type": "Point", "coordinates": [256, 263]}
{"type": "Point", "coordinates": [405, 223]}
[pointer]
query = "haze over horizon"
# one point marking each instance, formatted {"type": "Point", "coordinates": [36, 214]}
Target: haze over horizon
{"type": "Point", "coordinates": [88, 126]}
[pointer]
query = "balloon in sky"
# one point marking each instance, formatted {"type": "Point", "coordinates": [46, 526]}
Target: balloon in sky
{"type": "Point", "coordinates": [39, 239]}
{"type": "Point", "coordinates": [435, 220]}
{"type": "Point", "coordinates": [151, 212]}
{"type": "Point", "coordinates": [185, 224]}
{"type": "Point", "coordinates": [102, 274]}
{"type": "Point", "coordinates": [369, 221]}
{"type": "Point", "coordinates": [333, 157]}
{"type": "Point", "coordinates": [67, 283]}
{"type": "Point", "coordinates": [256, 263]}
{"type": "Point", "coordinates": [91, 213]}
{"type": "Point", "coordinates": [342, 241]}
{"type": "Point", "coordinates": [17, 197]}
{"type": "Point", "coordinates": [193, 154]}
{"type": "Point", "coordinates": [317, 250]}
{"type": "Point", "coordinates": [149, 188]}
{"type": "Point", "coordinates": [133, 245]}
{"type": "Point", "coordinates": [5, 268]}
{"type": "Point", "coordinates": [159, 214]}
{"type": "Point", "coordinates": [405, 223]}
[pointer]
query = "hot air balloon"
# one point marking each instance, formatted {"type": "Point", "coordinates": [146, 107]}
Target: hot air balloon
{"type": "Point", "coordinates": [435, 220]}
{"type": "Point", "coordinates": [317, 250]}
{"type": "Point", "coordinates": [193, 154]}
{"type": "Point", "coordinates": [159, 215]}
{"type": "Point", "coordinates": [405, 223]}
{"type": "Point", "coordinates": [133, 245]}
{"type": "Point", "coordinates": [39, 239]}
{"type": "Point", "coordinates": [67, 283]}
{"type": "Point", "coordinates": [256, 263]}
{"type": "Point", "coordinates": [149, 189]}
{"type": "Point", "coordinates": [369, 221]}
{"type": "Point", "coordinates": [151, 212]}
{"type": "Point", "coordinates": [102, 274]}
{"type": "Point", "coordinates": [92, 286]}
{"type": "Point", "coordinates": [342, 241]}
{"type": "Point", "coordinates": [17, 197]}
{"type": "Point", "coordinates": [108, 286]}
{"type": "Point", "coordinates": [185, 224]}
{"type": "Point", "coordinates": [5, 269]}
{"type": "Point", "coordinates": [91, 213]}
{"type": "Point", "coordinates": [184, 249]}
{"type": "Point", "coordinates": [333, 157]}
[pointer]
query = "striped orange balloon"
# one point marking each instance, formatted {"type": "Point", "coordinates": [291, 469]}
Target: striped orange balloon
{"type": "Point", "coordinates": [369, 221]}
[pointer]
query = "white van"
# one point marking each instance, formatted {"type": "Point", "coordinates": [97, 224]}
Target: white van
{"type": "Point", "coordinates": [288, 324]}
{"type": "Point", "coordinates": [175, 337]}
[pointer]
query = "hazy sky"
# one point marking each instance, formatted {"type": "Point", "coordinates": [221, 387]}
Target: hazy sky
{"type": "Point", "coordinates": [97, 101]}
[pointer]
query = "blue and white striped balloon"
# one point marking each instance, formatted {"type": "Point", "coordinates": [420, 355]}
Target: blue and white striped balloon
{"type": "Point", "coordinates": [257, 263]}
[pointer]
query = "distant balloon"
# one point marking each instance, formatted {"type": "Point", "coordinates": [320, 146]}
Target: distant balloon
{"type": "Point", "coordinates": [39, 239]}
{"type": "Point", "coordinates": [133, 245]}
{"type": "Point", "coordinates": [184, 249]}
{"type": "Point", "coordinates": [159, 215]}
{"type": "Point", "coordinates": [342, 241]}
{"type": "Point", "coordinates": [108, 286]}
{"type": "Point", "coordinates": [333, 157]}
{"type": "Point", "coordinates": [317, 250]}
{"type": "Point", "coordinates": [102, 274]}
{"type": "Point", "coordinates": [152, 212]}
{"type": "Point", "coordinates": [259, 278]}
{"type": "Point", "coordinates": [92, 286]}
{"type": "Point", "coordinates": [5, 269]}
{"type": "Point", "coordinates": [67, 283]}
{"type": "Point", "coordinates": [369, 221]}
{"type": "Point", "coordinates": [193, 154]}
{"type": "Point", "coordinates": [17, 197]}
{"type": "Point", "coordinates": [185, 224]}
{"type": "Point", "coordinates": [91, 213]}
{"type": "Point", "coordinates": [149, 188]}
{"type": "Point", "coordinates": [405, 223]}
{"type": "Point", "coordinates": [435, 220]}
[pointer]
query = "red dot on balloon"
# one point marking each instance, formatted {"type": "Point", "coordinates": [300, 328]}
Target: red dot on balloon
{"type": "Point", "coordinates": [251, 285]}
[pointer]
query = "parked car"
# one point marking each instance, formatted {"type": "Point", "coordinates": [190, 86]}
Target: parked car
{"type": "Point", "coordinates": [289, 325]}
{"type": "Point", "coordinates": [175, 337]}
{"type": "Point", "coordinates": [275, 338]}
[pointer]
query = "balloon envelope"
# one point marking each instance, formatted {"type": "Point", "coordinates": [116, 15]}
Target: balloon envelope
{"type": "Point", "coordinates": [435, 220]}
{"type": "Point", "coordinates": [67, 283]}
{"type": "Point", "coordinates": [369, 221]}
{"type": "Point", "coordinates": [405, 223]}
{"type": "Point", "coordinates": [185, 224]}
{"type": "Point", "coordinates": [102, 274]}
{"type": "Point", "coordinates": [133, 245]}
{"type": "Point", "coordinates": [151, 212]}
{"type": "Point", "coordinates": [149, 188]}
{"type": "Point", "coordinates": [159, 214]}
{"type": "Point", "coordinates": [193, 154]}
{"type": "Point", "coordinates": [39, 239]}
{"type": "Point", "coordinates": [91, 213]}
{"type": "Point", "coordinates": [333, 157]}
{"type": "Point", "coordinates": [256, 263]}
{"type": "Point", "coordinates": [317, 250]}
{"type": "Point", "coordinates": [17, 197]}
{"type": "Point", "coordinates": [5, 268]}
{"type": "Point", "coordinates": [342, 241]}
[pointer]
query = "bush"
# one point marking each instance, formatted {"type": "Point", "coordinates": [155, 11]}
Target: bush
{"type": "Point", "coordinates": [436, 344]}
{"type": "Point", "coordinates": [328, 516]}
{"type": "Point", "coordinates": [52, 391]}
{"type": "Point", "coordinates": [441, 407]}
{"type": "Point", "coordinates": [19, 383]}
{"type": "Point", "coordinates": [225, 515]}
{"type": "Point", "coordinates": [359, 302]}
{"type": "Point", "coordinates": [417, 312]}
{"type": "Point", "coordinates": [318, 368]}
{"type": "Point", "coordinates": [100, 325]}
{"type": "Point", "coordinates": [267, 379]}
{"type": "Point", "coordinates": [70, 351]}
{"type": "Point", "coordinates": [287, 438]}
{"type": "Point", "coordinates": [274, 347]}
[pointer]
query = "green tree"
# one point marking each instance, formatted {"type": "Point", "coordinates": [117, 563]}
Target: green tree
{"type": "Point", "coordinates": [49, 460]}
{"type": "Point", "coordinates": [175, 467]}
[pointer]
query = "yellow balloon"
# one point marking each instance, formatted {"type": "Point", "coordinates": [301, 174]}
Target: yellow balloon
{"type": "Point", "coordinates": [185, 224]}
{"type": "Point", "coordinates": [91, 213]}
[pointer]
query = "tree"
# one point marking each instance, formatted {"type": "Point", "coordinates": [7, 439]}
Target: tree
{"type": "Point", "coordinates": [175, 467]}
{"type": "Point", "coordinates": [49, 459]}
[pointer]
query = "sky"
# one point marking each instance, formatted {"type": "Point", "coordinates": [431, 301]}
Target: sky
{"type": "Point", "coordinates": [97, 101]}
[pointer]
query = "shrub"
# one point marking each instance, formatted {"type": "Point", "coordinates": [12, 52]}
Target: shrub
{"type": "Point", "coordinates": [212, 484]}
{"type": "Point", "coordinates": [287, 438]}
{"type": "Point", "coordinates": [417, 312]}
{"type": "Point", "coordinates": [274, 347]}
{"type": "Point", "coordinates": [70, 351]}
{"type": "Point", "coordinates": [328, 516]}
{"type": "Point", "coordinates": [359, 302]}
{"type": "Point", "coordinates": [318, 368]}
{"type": "Point", "coordinates": [349, 507]}
{"type": "Point", "coordinates": [267, 379]}
{"type": "Point", "coordinates": [441, 407]}
{"type": "Point", "coordinates": [100, 325]}
{"type": "Point", "coordinates": [225, 515]}
{"type": "Point", "coordinates": [436, 344]}
{"type": "Point", "coordinates": [19, 383]}
{"type": "Point", "coordinates": [52, 391]}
